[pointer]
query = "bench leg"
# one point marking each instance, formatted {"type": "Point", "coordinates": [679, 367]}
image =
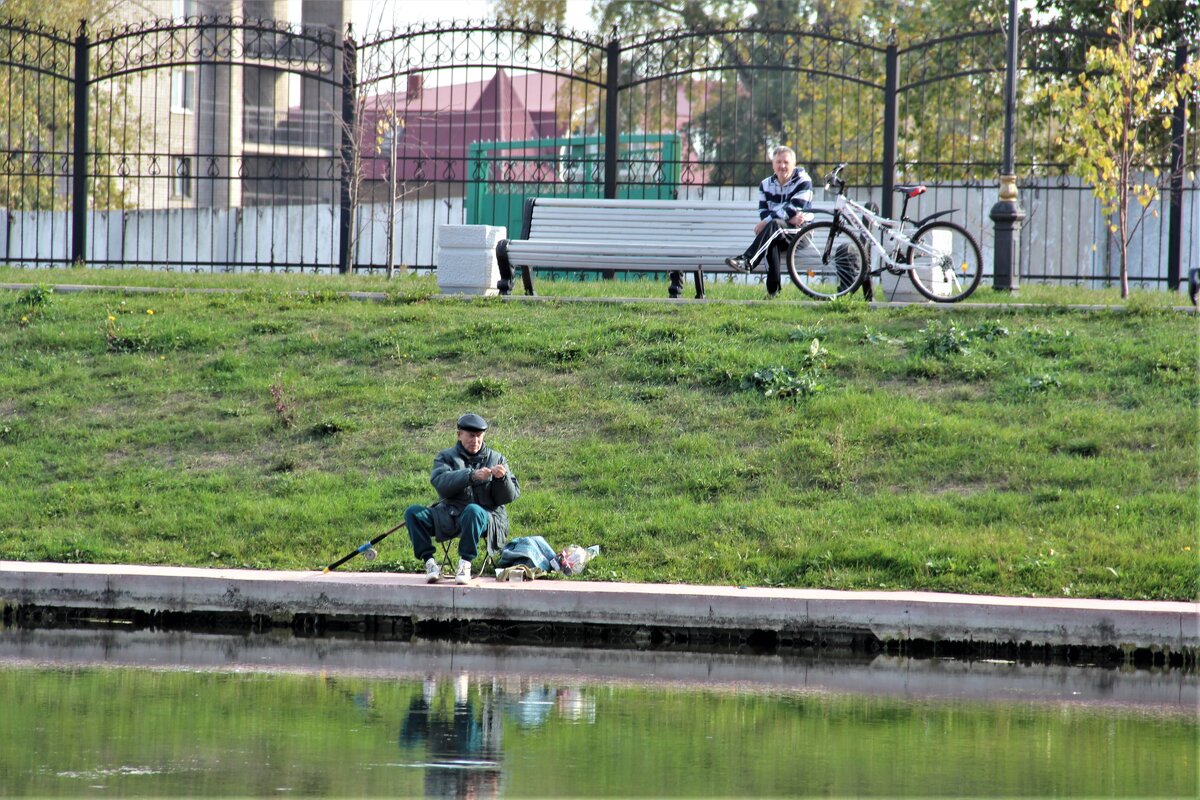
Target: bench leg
{"type": "Point", "coordinates": [527, 280]}
{"type": "Point", "coordinates": [698, 276]}
{"type": "Point", "coordinates": [505, 283]}
{"type": "Point", "coordinates": [675, 289]}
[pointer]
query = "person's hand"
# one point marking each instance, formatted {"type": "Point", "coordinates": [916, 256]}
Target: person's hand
{"type": "Point", "coordinates": [762, 224]}
{"type": "Point", "coordinates": [482, 474]}
{"type": "Point", "coordinates": [797, 220]}
{"type": "Point", "coordinates": [499, 471]}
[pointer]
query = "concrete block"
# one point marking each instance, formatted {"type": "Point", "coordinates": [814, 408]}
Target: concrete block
{"type": "Point", "coordinates": [891, 288]}
{"type": "Point", "coordinates": [466, 259]}
{"type": "Point", "coordinates": [899, 288]}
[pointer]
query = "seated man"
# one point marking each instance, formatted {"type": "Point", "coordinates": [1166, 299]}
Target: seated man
{"type": "Point", "coordinates": [782, 198]}
{"type": "Point", "coordinates": [474, 484]}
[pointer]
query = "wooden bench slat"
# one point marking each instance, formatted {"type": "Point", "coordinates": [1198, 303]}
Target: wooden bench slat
{"type": "Point", "coordinates": [573, 233]}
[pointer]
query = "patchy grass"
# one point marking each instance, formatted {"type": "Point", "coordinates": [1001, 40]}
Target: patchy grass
{"type": "Point", "coordinates": [1021, 450]}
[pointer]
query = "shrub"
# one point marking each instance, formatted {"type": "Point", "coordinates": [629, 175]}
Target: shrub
{"type": "Point", "coordinates": [285, 409]}
{"type": "Point", "coordinates": [1037, 384]}
{"type": "Point", "coordinates": [942, 340]}
{"type": "Point", "coordinates": [486, 388]}
{"type": "Point", "coordinates": [332, 427]}
{"type": "Point", "coordinates": [783, 382]}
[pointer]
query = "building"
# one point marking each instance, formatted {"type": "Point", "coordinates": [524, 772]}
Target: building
{"type": "Point", "coordinates": [241, 112]}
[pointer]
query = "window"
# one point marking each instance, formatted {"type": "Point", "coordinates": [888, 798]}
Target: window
{"type": "Point", "coordinates": [182, 9]}
{"type": "Point", "coordinates": [181, 184]}
{"type": "Point", "coordinates": [183, 87]}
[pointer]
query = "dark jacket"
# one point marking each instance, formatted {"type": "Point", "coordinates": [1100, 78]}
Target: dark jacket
{"type": "Point", "coordinates": [451, 478]}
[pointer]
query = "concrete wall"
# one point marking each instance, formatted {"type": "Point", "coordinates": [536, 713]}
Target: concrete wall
{"type": "Point", "coordinates": [1064, 236]}
{"type": "Point", "coordinates": [1063, 223]}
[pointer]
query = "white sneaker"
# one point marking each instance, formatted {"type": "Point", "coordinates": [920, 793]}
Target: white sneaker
{"type": "Point", "coordinates": [433, 571]}
{"type": "Point", "coordinates": [463, 577]}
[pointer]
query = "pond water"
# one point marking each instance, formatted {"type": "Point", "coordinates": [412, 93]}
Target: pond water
{"type": "Point", "coordinates": [87, 713]}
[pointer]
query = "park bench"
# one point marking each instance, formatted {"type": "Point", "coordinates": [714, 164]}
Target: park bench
{"type": "Point", "coordinates": [675, 236]}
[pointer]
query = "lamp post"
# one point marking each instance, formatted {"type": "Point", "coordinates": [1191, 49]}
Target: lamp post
{"type": "Point", "coordinates": [1007, 213]}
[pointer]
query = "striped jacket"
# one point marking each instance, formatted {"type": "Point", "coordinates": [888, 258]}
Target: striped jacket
{"type": "Point", "coordinates": [784, 202]}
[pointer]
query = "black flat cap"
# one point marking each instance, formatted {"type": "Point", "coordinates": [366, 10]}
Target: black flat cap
{"type": "Point", "coordinates": [472, 422]}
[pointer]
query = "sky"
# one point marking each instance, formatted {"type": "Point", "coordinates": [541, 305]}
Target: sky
{"type": "Point", "coordinates": [367, 14]}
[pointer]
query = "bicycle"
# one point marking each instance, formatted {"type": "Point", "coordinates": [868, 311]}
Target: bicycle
{"type": "Point", "coordinates": [827, 259]}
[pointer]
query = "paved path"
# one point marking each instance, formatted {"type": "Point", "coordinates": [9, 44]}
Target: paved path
{"type": "Point", "coordinates": [1169, 626]}
{"type": "Point", "coordinates": [73, 288]}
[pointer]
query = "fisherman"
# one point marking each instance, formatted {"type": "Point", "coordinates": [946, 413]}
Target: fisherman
{"type": "Point", "coordinates": [474, 484]}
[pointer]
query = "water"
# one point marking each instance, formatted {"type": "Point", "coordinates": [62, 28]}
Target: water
{"type": "Point", "coordinates": [86, 713]}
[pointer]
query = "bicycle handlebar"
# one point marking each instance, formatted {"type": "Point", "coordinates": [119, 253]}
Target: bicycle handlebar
{"type": "Point", "coordinates": [834, 181]}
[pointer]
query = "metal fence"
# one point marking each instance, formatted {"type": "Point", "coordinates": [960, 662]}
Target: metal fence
{"type": "Point", "coordinates": [228, 144]}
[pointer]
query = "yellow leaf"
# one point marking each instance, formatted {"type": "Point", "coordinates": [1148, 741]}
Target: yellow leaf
{"type": "Point", "coordinates": [1112, 228]}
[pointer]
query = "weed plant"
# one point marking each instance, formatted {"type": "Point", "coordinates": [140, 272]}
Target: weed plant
{"type": "Point", "coordinates": [1021, 450]}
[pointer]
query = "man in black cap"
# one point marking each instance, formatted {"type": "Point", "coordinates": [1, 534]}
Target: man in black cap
{"type": "Point", "coordinates": [474, 484]}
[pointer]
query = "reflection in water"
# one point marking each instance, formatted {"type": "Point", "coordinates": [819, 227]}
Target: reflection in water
{"type": "Point", "coordinates": [143, 714]}
{"type": "Point", "coordinates": [461, 739]}
{"type": "Point", "coordinates": [459, 735]}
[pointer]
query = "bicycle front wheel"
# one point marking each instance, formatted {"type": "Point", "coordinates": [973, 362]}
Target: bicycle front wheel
{"type": "Point", "coordinates": [826, 260]}
{"type": "Point", "coordinates": [946, 262]}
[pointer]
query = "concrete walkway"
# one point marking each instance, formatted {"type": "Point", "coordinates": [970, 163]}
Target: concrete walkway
{"type": "Point", "coordinates": [75, 288]}
{"type": "Point", "coordinates": [1159, 626]}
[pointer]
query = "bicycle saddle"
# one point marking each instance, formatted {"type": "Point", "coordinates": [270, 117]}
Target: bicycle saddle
{"type": "Point", "coordinates": [910, 189]}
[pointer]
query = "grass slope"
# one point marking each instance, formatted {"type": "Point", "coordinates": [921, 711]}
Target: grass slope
{"type": "Point", "coordinates": [1021, 450]}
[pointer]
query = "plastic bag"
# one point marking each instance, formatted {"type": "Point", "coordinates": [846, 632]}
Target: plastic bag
{"type": "Point", "coordinates": [573, 558]}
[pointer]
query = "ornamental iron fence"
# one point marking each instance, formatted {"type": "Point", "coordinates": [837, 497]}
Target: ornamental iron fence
{"type": "Point", "coordinates": [219, 143]}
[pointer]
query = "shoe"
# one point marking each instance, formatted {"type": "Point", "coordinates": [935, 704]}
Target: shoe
{"type": "Point", "coordinates": [463, 576]}
{"type": "Point", "coordinates": [433, 572]}
{"type": "Point", "coordinates": [739, 263]}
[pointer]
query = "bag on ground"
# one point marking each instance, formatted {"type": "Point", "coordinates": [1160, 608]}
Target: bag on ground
{"type": "Point", "coordinates": [574, 558]}
{"type": "Point", "coordinates": [529, 551]}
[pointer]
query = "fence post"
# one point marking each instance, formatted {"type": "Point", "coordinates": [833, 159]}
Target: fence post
{"type": "Point", "coordinates": [1007, 213]}
{"type": "Point", "coordinates": [891, 104]}
{"type": "Point", "coordinates": [1175, 211]}
{"type": "Point", "coordinates": [612, 126]}
{"type": "Point", "coordinates": [350, 165]}
{"type": "Point", "coordinates": [80, 146]}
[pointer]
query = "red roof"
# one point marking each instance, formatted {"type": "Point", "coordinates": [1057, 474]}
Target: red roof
{"type": "Point", "coordinates": [441, 122]}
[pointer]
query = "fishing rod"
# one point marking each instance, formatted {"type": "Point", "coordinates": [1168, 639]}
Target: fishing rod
{"type": "Point", "coordinates": [366, 548]}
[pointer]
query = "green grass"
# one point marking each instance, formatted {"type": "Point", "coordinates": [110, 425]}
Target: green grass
{"type": "Point", "coordinates": [1021, 450]}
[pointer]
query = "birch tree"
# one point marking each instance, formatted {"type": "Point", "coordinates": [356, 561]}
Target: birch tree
{"type": "Point", "coordinates": [1128, 86]}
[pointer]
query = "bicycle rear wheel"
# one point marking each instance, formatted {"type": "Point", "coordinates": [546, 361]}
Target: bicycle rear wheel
{"type": "Point", "coordinates": [953, 271]}
{"type": "Point", "coordinates": [826, 260]}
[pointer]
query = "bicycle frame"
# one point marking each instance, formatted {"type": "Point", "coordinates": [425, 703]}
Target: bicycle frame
{"type": "Point", "coordinates": [895, 229]}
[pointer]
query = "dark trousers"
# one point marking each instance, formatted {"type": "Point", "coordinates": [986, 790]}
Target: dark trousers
{"type": "Point", "coordinates": [769, 244]}
{"type": "Point", "coordinates": [472, 524]}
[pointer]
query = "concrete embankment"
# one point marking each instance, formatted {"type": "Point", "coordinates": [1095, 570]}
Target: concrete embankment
{"type": "Point", "coordinates": [1160, 690]}
{"type": "Point", "coordinates": [799, 617]}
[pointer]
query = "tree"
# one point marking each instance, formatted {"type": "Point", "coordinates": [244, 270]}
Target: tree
{"type": "Point", "coordinates": [376, 137]}
{"type": "Point", "coordinates": [771, 61]}
{"type": "Point", "coordinates": [1128, 86]}
{"type": "Point", "coordinates": [1179, 20]}
{"type": "Point", "coordinates": [37, 105]}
